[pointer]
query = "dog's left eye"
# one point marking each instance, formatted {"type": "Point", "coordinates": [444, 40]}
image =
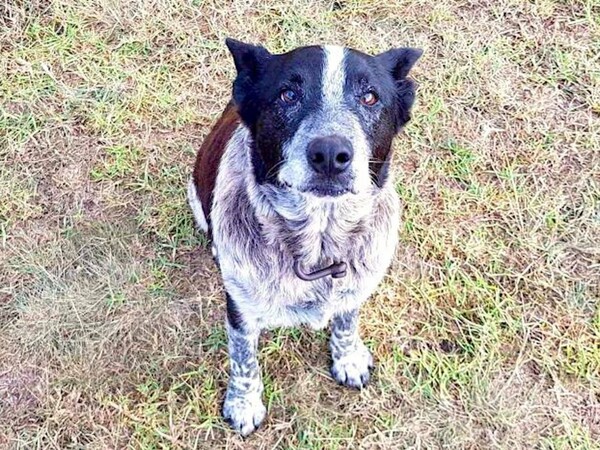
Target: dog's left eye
{"type": "Point", "coordinates": [369, 99]}
{"type": "Point", "coordinates": [288, 96]}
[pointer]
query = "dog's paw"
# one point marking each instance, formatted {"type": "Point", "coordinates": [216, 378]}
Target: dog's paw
{"type": "Point", "coordinates": [244, 412]}
{"type": "Point", "coordinates": [353, 368]}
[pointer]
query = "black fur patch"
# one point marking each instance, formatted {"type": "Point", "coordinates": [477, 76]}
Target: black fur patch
{"type": "Point", "coordinates": [385, 75]}
{"type": "Point", "coordinates": [234, 316]}
{"type": "Point", "coordinates": [257, 93]}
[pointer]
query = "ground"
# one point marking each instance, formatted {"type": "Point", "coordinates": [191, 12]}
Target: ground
{"type": "Point", "coordinates": [486, 333]}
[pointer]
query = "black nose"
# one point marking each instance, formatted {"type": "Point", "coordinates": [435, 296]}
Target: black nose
{"type": "Point", "coordinates": [330, 155]}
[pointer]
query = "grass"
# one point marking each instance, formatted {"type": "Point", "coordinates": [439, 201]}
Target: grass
{"type": "Point", "coordinates": [486, 332]}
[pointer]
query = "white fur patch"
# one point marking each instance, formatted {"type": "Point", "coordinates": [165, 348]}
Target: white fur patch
{"type": "Point", "coordinates": [352, 368]}
{"type": "Point", "coordinates": [244, 412]}
{"type": "Point", "coordinates": [334, 75]}
{"type": "Point", "coordinates": [196, 206]}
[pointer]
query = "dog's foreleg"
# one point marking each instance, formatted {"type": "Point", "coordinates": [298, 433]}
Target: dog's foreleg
{"type": "Point", "coordinates": [352, 360]}
{"type": "Point", "coordinates": [243, 407]}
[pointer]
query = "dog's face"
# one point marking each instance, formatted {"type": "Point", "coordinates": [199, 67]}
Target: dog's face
{"type": "Point", "coordinates": [322, 118]}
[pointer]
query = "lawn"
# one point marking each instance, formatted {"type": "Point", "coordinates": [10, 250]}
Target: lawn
{"type": "Point", "coordinates": [486, 332]}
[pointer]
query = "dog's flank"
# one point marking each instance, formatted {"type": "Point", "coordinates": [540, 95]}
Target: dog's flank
{"type": "Point", "coordinates": [202, 184]}
{"type": "Point", "coordinates": [294, 174]}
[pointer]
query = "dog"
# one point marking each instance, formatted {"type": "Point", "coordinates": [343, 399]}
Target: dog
{"type": "Point", "coordinates": [293, 186]}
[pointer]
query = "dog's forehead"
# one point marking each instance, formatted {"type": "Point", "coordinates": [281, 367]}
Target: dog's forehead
{"type": "Point", "coordinates": [303, 64]}
{"type": "Point", "coordinates": [303, 53]}
{"type": "Point", "coordinates": [309, 56]}
{"type": "Point", "coordinates": [314, 61]}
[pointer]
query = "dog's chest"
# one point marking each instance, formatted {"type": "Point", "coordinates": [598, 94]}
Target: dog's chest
{"type": "Point", "coordinates": [256, 258]}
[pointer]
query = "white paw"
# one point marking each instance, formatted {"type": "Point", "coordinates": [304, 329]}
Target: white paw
{"type": "Point", "coordinates": [244, 412]}
{"type": "Point", "coordinates": [353, 368]}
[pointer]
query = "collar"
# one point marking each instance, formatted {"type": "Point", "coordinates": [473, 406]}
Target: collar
{"type": "Point", "coordinates": [336, 270]}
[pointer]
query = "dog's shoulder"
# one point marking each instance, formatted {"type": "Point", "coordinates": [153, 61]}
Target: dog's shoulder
{"type": "Point", "coordinates": [210, 154]}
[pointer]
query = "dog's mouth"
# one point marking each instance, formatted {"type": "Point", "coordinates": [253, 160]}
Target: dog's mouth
{"type": "Point", "coordinates": [320, 189]}
{"type": "Point", "coordinates": [328, 190]}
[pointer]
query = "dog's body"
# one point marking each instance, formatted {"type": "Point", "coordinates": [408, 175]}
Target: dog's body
{"type": "Point", "coordinates": [296, 177]}
{"type": "Point", "coordinates": [257, 241]}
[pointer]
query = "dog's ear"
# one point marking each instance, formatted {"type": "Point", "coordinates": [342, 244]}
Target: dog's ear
{"type": "Point", "coordinates": [249, 61]}
{"type": "Point", "coordinates": [399, 61]}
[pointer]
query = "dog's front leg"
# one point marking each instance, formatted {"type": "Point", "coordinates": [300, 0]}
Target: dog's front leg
{"type": "Point", "coordinates": [243, 407]}
{"type": "Point", "coordinates": [352, 360]}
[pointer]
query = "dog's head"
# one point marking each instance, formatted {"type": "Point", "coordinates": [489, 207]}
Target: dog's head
{"type": "Point", "coordinates": [322, 119]}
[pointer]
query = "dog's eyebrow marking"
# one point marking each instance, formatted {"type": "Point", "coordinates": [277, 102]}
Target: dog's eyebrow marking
{"type": "Point", "coordinates": [334, 75]}
{"type": "Point", "coordinates": [296, 78]}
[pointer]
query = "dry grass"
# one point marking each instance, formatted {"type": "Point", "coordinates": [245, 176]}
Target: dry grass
{"type": "Point", "coordinates": [487, 331]}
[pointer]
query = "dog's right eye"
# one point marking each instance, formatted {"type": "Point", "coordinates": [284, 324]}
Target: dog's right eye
{"type": "Point", "coordinates": [288, 96]}
{"type": "Point", "coordinates": [369, 98]}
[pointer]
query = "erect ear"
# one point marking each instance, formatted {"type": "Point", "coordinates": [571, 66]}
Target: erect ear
{"type": "Point", "coordinates": [399, 61]}
{"type": "Point", "coordinates": [249, 60]}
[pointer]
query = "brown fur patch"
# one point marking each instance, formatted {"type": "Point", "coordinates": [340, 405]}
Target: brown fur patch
{"type": "Point", "coordinates": [210, 154]}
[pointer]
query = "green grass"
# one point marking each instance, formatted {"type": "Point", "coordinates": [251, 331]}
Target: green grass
{"type": "Point", "coordinates": [486, 332]}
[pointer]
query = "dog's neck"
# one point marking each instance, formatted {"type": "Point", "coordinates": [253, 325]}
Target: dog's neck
{"type": "Point", "coordinates": [315, 230]}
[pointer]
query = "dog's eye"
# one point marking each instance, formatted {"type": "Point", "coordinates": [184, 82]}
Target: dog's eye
{"type": "Point", "coordinates": [288, 96]}
{"type": "Point", "coordinates": [369, 98]}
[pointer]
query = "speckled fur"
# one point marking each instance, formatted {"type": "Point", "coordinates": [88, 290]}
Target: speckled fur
{"type": "Point", "coordinates": [258, 232]}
